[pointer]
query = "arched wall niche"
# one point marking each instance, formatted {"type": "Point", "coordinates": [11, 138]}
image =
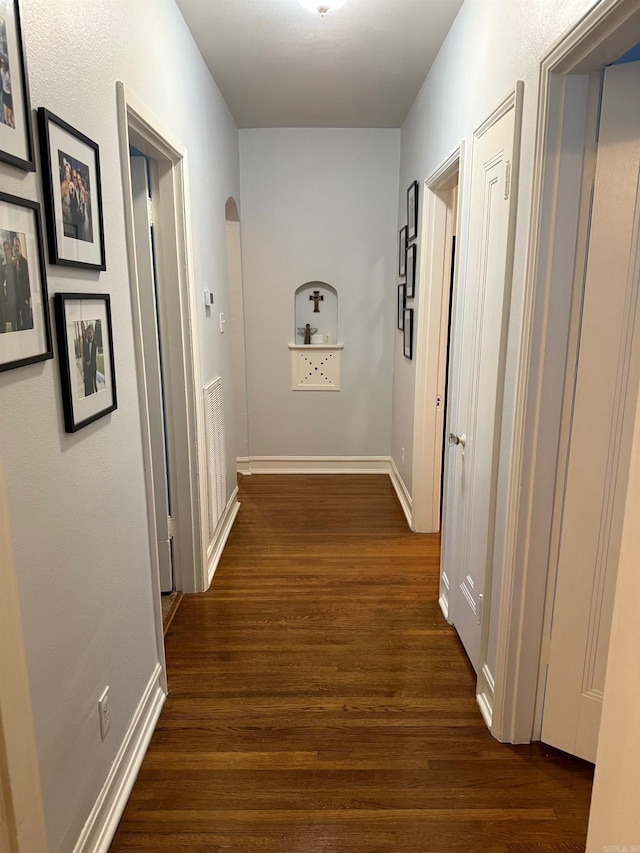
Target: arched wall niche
{"type": "Point", "coordinates": [316, 304]}
{"type": "Point", "coordinates": [316, 352]}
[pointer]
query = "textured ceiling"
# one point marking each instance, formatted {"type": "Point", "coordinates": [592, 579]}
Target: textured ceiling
{"type": "Point", "coordinates": [280, 65]}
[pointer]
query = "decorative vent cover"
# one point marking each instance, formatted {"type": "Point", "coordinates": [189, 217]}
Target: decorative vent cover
{"type": "Point", "coordinates": [216, 456]}
{"type": "Point", "coordinates": [315, 369]}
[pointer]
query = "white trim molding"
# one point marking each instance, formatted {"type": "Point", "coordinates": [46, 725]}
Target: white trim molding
{"type": "Point", "coordinates": [221, 535]}
{"type": "Point", "coordinates": [603, 33]}
{"type": "Point", "coordinates": [101, 825]}
{"type": "Point", "coordinates": [485, 693]}
{"type": "Point", "coordinates": [402, 492]}
{"type": "Point", "coordinates": [319, 465]}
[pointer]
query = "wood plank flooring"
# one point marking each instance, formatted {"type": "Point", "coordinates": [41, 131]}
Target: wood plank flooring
{"type": "Point", "coordinates": [320, 703]}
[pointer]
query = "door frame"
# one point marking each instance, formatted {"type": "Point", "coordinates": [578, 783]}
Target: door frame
{"type": "Point", "coordinates": [233, 244]}
{"type": "Point", "coordinates": [185, 416]}
{"type": "Point", "coordinates": [432, 336]}
{"type": "Point", "coordinates": [556, 253]}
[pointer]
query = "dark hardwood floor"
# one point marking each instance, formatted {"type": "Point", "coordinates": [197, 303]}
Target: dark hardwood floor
{"type": "Point", "coordinates": [320, 703]}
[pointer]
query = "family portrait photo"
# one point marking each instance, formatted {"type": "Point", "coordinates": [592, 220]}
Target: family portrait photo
{"type": "Point", "coordinates": [73, 202]}
{"type": "Point", "coordinates": [75, 195]}
{"type": "Point", "coordinates": [6, 111]}
{"type": "Point", "coordinates": [89, 356]}
{"type": "Point", "coordinates": [15, 124]}
{"type": "Point", "coordinates": [87, 371]}
{"type": "Point", "coordinates": [15, 289]}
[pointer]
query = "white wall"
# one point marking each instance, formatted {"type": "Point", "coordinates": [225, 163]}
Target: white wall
{"type": "Point", "coordinates": [77, 502]}
{"type": "Point", "coordinates": [319, 205]}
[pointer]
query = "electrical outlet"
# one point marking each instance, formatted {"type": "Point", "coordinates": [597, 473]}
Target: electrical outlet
{"type": "Point", "coordinates": [402, 455]}
{"type": "Point", "coordinates": [104, 711]}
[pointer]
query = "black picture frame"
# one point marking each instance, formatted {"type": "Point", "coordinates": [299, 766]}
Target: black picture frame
{"type": "Point", "coordinates": [412, 211]}
{"type": "Point", "coordinates": [408, 333]}
{"type": "Point", "coordinates": [25, 328]}
{"type": "Point", "coordinates": [402, 300]}
{"type": "Point", "coordinates": [81, 354]}
{"type": "Point", "coordinates": [16, 137]}
{"type": "Point", "coordinates": [411, 271]}
{"type": "Point", "coordinates": [402, 252]}
{"type": "Point", "coordinates": [72, 194]}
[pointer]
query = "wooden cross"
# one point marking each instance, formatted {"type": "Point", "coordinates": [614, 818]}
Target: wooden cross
{"type": "Point", "coordinates": [316, 299]}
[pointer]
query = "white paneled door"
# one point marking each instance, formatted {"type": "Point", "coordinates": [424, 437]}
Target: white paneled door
{"type": "Point", "coordinates": [604, 402]}
{"type": "Point", "coordinates": [476, 398]}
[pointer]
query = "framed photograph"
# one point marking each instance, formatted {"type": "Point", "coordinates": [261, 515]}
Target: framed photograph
{"type": "Point", "coordinates": [25, 330]}
{"type": "Point", "coordinates": [402, 252]}
{"type": "Point", "coordinates": [402, 299]}
{"type": "Point", "coordinates": [72, 194]}
{"type": "Point", "coordinates": [85, 351]}
{"type": "Point", "coordinates": [408, 332]}
{"type": "Point", "coordinates": [411, 271]}
{"type": "Point", "coordinates": [412, 212]}
{"type": "Point", "coordinates": [16, 142]}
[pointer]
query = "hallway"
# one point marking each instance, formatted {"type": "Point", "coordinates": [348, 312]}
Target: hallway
{"type": "Point", "coordinates": [320, 703]}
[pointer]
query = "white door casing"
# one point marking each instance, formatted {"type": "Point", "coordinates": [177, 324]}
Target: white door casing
{"type": "Point", "coordinates": [604, 401]}
{"type": "Point", "coordinates": [237, 336]}
{"type": "Point", "coordinates": [476, 397]}
{"type": "Point", "coordinates": [185, 415]}
{"type": "Point", "coordinates": [153, 368]}
{"type": "Point", "coordinates": [440, 215]}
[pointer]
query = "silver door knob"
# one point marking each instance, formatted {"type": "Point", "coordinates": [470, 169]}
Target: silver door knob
{"type": "Point", "coordinates": [457, 439]}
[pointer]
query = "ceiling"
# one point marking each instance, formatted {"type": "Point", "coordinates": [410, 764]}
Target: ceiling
{"type": "Point", "coordinates": [280, 65]}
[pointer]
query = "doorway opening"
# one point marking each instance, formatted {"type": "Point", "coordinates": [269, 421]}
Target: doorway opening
{"type": "Point", "coordinates": [237, 336]}
{"type": "Point", "coordinates": [143, 178]}
{"type": "Point", "coordinates": [163, 302]}
{"type": "Point", "coordinates": [437, 289]}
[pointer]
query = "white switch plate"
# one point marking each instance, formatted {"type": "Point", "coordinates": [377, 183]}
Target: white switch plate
{"type": "Point", "coordinates": [104, 710]}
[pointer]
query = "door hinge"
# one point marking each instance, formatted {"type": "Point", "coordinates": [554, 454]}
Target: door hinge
{"type": "Point", "coordinates": [545, 652]}
{"type": "Point", "coordinates": [170, 526]}
{"type": "Point", "coordinates": [152, 220]}
{"type": "Point", "coordinates": [480, 611]}
{"type": "Point", "coordinates": [507, 181]}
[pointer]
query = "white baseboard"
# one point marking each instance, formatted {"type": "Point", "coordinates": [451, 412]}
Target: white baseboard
{"type": "Point", "coordinates": [485, 695]}
{"type": "Point", "coordinates": [401, 490]}
{"type": "Point", "coordinates": [319, 465]}
{"type": "Point", "coordinates": [214, 552]}
{"type": "Point", "coordinates": [97, 833]}
{"type": "Point", "coordinates": [243, 465]}
{"type": "Point", "coordinates": [444, 607]}
{"type": "Point", "coordinates": [443, 601]}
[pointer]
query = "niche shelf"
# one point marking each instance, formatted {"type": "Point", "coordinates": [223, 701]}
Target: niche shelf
{"type": "Point", "coordinates": [315, 353]}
